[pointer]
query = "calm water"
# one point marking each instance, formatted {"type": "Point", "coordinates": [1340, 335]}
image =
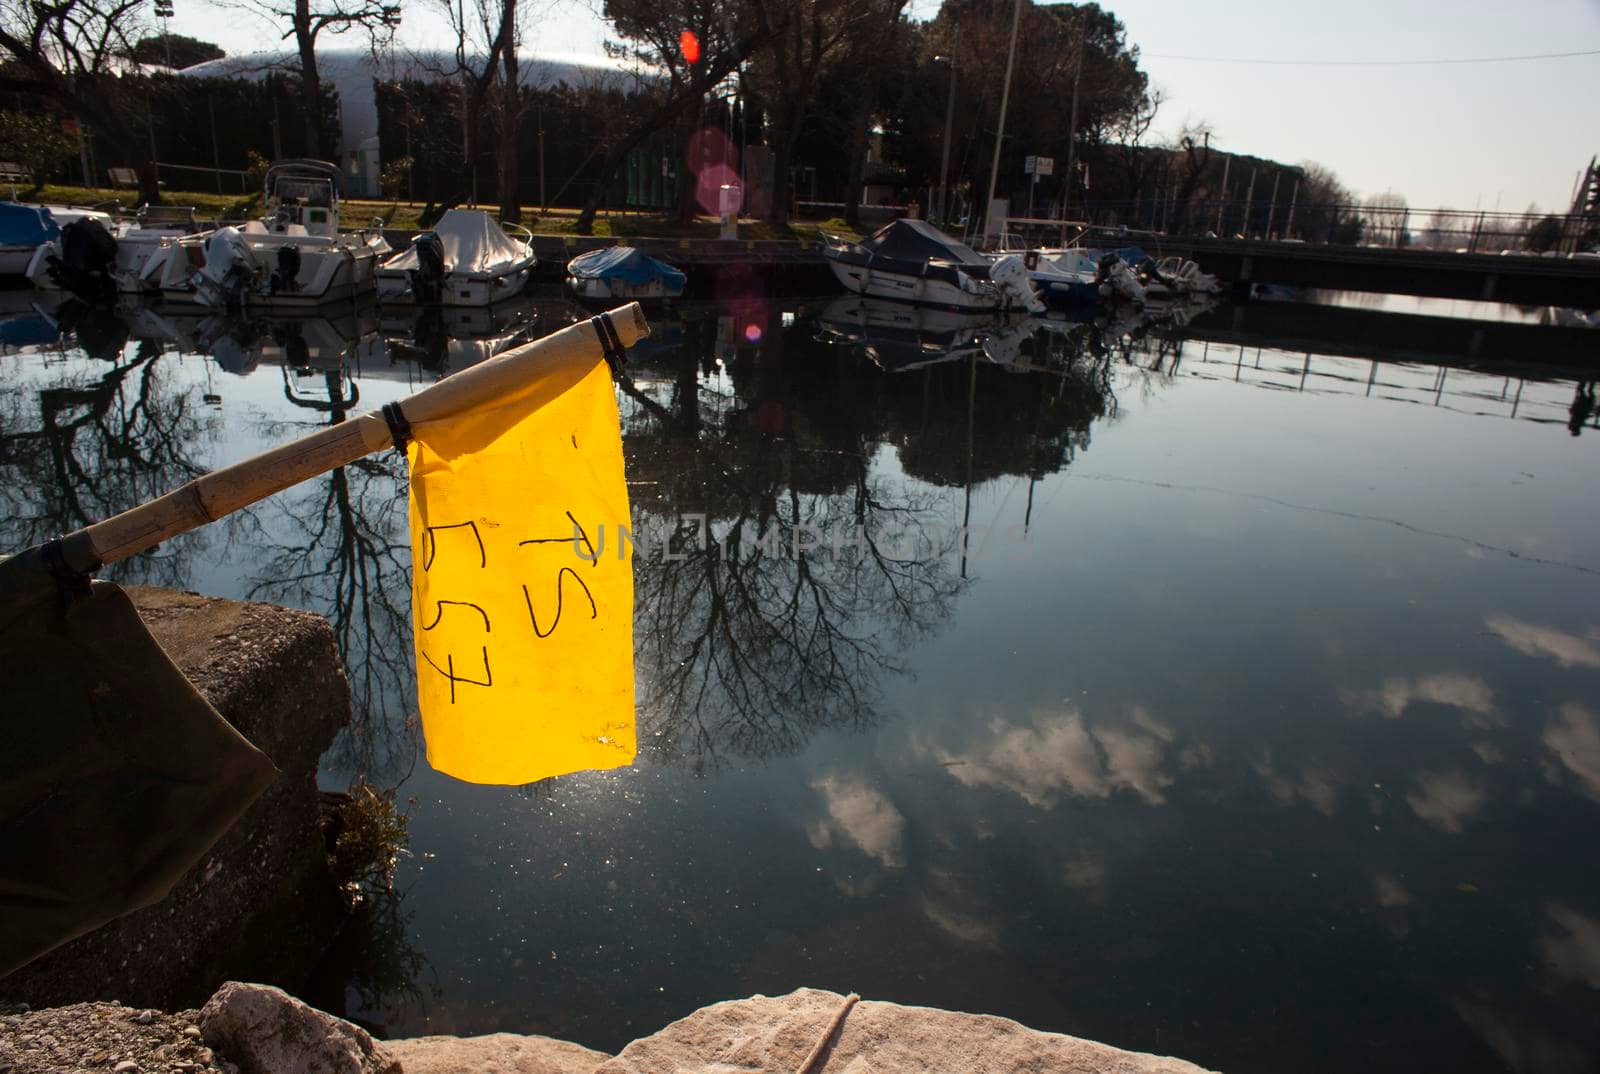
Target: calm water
{"type": "Point", "coordinates": [1257, 719]}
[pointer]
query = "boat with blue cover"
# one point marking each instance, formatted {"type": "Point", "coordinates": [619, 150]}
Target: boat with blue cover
{"type": "Point", "coordinates": [623, 272]}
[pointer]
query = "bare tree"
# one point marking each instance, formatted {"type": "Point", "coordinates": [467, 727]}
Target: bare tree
{"type": "Point", "coordinates": [308, 20]}
{"type": "Point", "coordinates": [68, 52]}
{"type": "Point", "coordinates": [684, 49]}
{"type": "Point", "coordinates": [1386, 217]}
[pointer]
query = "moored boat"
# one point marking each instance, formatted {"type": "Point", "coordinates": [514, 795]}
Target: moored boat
{"type": "Point", "coordinates": [623, 272]}
{"type": "Point", "coordinates": [94, 258]}
{"type": "Point", "coordinates": [294, 256]}
{"type": "Point", "coordinates": [913, 261]}
{"type": "Point", "coordinates": [466, 259]}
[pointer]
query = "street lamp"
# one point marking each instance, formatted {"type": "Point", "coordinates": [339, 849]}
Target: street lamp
{"type": "Point", "coordinates": [949, 116]}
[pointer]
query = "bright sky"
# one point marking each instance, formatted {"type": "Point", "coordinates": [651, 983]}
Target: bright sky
{"type": "Point", "coordinates": [1461, 135]}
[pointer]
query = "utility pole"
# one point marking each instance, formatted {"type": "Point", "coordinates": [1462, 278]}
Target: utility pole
{"type": "Point", "coordinates": [943, 208]}
{"type": "Point", "coordinates": [1000, 129]}
{"type": "Point", "coordinates": [1288, 225]}
{"type": "Point", "coordinates": [544, 206]}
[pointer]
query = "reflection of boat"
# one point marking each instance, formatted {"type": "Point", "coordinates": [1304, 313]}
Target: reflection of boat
{"type": "Point", "coordinates": [240, 342]}
{"type": "Point", "coordinates": [442, 340]}
{"type": "Point", "coordinates": [899, 337]}
{"type": "Point", "coordinates": [466, 259]}
{"type": "Point", "coordinates": [623, 272]}
{"type": "Point", "coordinates": [913, 261]}
{"type": "Point", "coordinates": [294, 256]}
{"type": "Point", "coordinates": [28, 319]}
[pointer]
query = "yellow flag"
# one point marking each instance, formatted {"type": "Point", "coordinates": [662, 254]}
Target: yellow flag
{"type": "Point", "coordinates": [523, 616]}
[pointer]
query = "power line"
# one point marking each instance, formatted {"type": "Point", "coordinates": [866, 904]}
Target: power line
{"type": "Point", "coordinates": [1373, 63]}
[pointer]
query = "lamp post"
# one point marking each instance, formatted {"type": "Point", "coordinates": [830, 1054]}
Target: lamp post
{"type": "Point", "coordinates": [943, 208]}
{"type": "Point", "coordinates": [1000, 131]}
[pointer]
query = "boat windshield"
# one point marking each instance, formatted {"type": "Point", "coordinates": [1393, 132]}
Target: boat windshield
{"type": "Point", "coordinates": [294, 190]}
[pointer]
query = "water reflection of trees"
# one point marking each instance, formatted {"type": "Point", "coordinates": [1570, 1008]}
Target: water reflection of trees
{"type": "Point", "coordinates": [96, 442]}
{"type": "Point", "coordinates": [339, 546]}
{"type": "Point", "coordinates": [749, 642]}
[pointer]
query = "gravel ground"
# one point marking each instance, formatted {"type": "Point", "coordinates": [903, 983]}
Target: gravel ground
{"type": "Point", "coordinates": [104, 1038]}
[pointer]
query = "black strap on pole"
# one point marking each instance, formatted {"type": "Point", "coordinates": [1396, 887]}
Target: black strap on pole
{"type": "Point", "coordinates": [610, 343]}
{"type": "Point", "coordinates": [72, 582]}
{"type": "Point", "coordinates": [399, 427]}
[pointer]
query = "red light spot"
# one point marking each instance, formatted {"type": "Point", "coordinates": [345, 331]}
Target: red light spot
{"type": "Point", "coordinates": [689, 44]}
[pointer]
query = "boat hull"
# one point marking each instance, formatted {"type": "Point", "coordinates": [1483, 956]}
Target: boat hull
{"type": "Point", "coordinates": [394, 286]}
{"type": "Point", "coordinates": [902, 287]}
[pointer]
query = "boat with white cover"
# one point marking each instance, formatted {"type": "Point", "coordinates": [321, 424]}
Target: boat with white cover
{"type": "Point", "coordinates": [294, 256]}
{"type": "Point", "coordinates": [913, 261]}
{"type": "Point", "coordinates": [466, 259]}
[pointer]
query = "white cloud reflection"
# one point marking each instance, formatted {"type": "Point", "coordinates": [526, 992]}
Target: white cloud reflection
{"type": "Point", "coordinates": [861, 815]}
{"type": "Point", "coordinates": [1530, 639]}
{"type": "Point", "coordinates": [1446, 799]}
{"type": "Point", "coordinates": [1574, 738]}
{"type": "Point", "coordinates": [1570, 945]}
{"type": "Point", "coordinates": [1456, 689]}
{"type": "Point", "coordinates": [1060, 756]}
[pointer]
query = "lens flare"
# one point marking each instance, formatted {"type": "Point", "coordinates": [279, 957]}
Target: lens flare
{"type": "Point", "coordinates": [752, 333]}
{"type": "Point", "coordinates": [689, 45]}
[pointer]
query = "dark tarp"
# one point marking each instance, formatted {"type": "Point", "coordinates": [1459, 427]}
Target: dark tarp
{"type": "Point", "coordinates": [918, 240]}
{"type": "Point", "coordinates": [116, 775]}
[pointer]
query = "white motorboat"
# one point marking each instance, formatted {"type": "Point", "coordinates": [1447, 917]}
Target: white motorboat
{"type": "Point", "coordinates": [93, 257]}
{"type": "Point", "coordinates": [1175, 277]}
{"type": "Point", "coordinates": [913, 261]}
{"type": "Point", "coordinates": [295, 256]}
{"type": "Point", "coordinates": [466, 259]}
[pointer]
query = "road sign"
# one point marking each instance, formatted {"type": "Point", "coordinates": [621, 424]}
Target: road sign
{"type": "Point", "coordinates": [1028, 164]}
{"type": "Point", "coordinates": [1042, 165]}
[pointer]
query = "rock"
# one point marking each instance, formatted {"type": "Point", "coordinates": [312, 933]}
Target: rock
{"type": "Point", "coordinates": [143, 1017]}
{"type": "Point", "coordinates": [192, 1032]}
{"type": "Point", "coordinates": [497, 1053]}
{"type": "Point", "coordinates": [127, 1066]}
{"type": "Point", "coordinates": [777, 1033]}
{"type": "Point", "coordinates": [267, 1031]}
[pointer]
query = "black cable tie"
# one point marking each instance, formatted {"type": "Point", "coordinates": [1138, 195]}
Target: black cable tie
{"type": "Point", "coordinates": [610, 343]}
{"type": "Point", "coordinates": [73, 583]}
{"type": "Point", "coordinates": [399, 427]}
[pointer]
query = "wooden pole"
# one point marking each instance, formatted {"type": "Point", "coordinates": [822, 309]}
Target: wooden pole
{"type": "Point", "coordinates": [221, 492]}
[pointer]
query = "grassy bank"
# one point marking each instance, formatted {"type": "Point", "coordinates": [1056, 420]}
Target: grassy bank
{"type": "Point", "coordinates": [400, 214]}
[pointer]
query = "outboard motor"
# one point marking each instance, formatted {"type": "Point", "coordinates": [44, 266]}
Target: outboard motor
{"type": "Point", "coordinates": [229, 273]}
{"type": "Point", "coordinates": [286, 277]}
{"type": "Point", "coordinates": [1149, 272]}
{"type": "Point", "coordinates": [88, 256]}
{"type": "Point", "coordinates": [427, 279]}
{"type": "Point", "coordinates": [1116, 279]}
{"type": "Point", "coordinates": [1010, 276]}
